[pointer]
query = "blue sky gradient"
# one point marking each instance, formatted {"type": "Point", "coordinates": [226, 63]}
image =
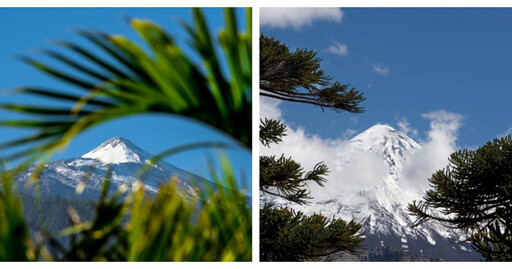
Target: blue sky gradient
{"type": "Point", "coordinates": [24, 31]}
{"type": "Point", "coordinates": [457, 60]}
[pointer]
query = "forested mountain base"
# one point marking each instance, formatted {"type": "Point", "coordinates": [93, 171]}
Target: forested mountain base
{"type": "Point", "coordinates": [48, 215]}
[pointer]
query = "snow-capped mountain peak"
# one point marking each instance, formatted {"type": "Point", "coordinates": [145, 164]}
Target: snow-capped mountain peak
{"type": "Point", "coordinates": [382, 206]}
{"type": "Point", "coordinates": [118, 150]}
{"type": "Point", "coordinates": [392, 145]}
{"type": "Point", "coordinates": [123, 160]}
{"type": "Point", "coordinates": [380, 135]}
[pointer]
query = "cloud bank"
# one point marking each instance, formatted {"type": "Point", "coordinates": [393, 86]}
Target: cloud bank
{"type": "Point", "coordinates": [440, 143]}
{"type": "Point", "coordinates": [297, 18]}
{"type": "Point", "coordinates": [352, 171]}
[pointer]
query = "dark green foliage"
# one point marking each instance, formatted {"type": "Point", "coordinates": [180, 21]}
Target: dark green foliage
{"type": "Point", "coordinates": [285, 178]}
{"type": "Point", "coordinates": [286, 235]}
{"type": "Point", "coordinates": [474, 194]}
{"type": "Point", "coordinates": [493, 242]}
{"type": "Point", "coordinates": [297, 77]}
{"type": "Point", "coordinates": [271, 131]}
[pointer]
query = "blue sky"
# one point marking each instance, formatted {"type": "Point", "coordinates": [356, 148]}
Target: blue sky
{"type": "Point", "coordinates": [408, 62]}
{"type": "Point", "coordinates": [24, 31]}
{"type": "Point", "coordinates": [442, 76]}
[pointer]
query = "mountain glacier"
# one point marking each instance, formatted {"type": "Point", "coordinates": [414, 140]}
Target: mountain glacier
{"type": "Point", "coordinates": [82, 178]}
{"type": "Point", "coordinates": [381, 206]}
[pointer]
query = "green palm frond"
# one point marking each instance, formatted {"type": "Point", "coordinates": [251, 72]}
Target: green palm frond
{"type": "Point", "coordinates": [133, 81]}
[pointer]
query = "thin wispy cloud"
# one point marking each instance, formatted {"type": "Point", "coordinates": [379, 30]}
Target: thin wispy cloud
{"type": "Point", "coordinates": [297, 18]}
{"type": "Point", "coordinates": [349, 133]}
{"type": "Point", "coordinates": [338, 49]}
{"type": "Point", "coordinates": [380, 69]}
{"type": "Point", "coordinates": [405, 127]}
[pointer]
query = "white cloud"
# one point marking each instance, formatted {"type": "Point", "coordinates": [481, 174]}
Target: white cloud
{"type": "Point", "coordinates": [381, 70]}
{"type": "Point", "coordinates": [269, 108]}
{"type": "Point", "coordinates": [309, 149]}
{"type": "Point", "coordinates": [338, 49]}
{"type": "Point", "coordinates": [406, 128]}
{"type": "Point", "coordinates": [298, 17]}
{"type": "Point", "coordinates": [349, 133]}
{"type": "Point", "coordinates": [364, 169]}
{"type": "Point", "coordinates": [440, 143]}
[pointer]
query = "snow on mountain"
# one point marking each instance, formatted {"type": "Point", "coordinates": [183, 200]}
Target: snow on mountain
{"type": "Point", "coordinates": [86, 174]}
{"type": "Point", "coordinates": [118, 150]}
{"type": "Point", "coordinates": [381, 207]}
{"type": "Point", "coordinates": [394, 146]}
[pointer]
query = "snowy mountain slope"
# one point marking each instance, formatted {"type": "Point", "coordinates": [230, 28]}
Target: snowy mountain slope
{"type": "Point", "coordinates": [62, 178]}
{"type": "Point", "coordinates": [382, 207]}
{"type": "Point", "coordinates": [118, 150]}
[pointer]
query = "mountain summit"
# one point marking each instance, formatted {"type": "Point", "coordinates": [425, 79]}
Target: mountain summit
{"type": "Point", "coordinates": [82, 178]}
{"type": "Point", "coordinates": [381, 205]}
{"type": "Point", "coordinates": [393, 146]}
{"type": "Point", "coordinates": [118, 150]}
{"type": "Point", "coordinates": [381, 135]}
